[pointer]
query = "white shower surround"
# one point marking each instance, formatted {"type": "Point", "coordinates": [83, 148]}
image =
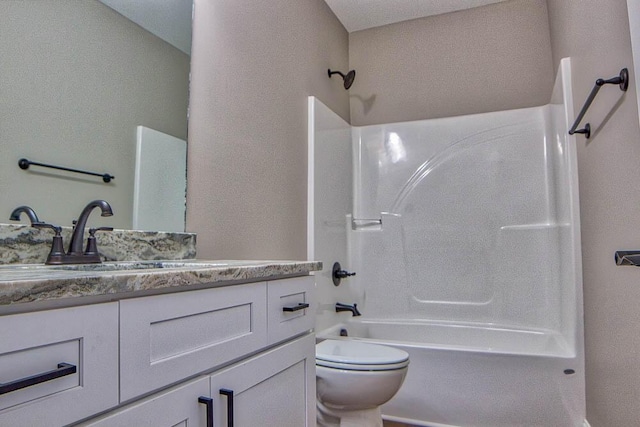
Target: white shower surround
{"type": "Point", "coordinates": [476, 268]}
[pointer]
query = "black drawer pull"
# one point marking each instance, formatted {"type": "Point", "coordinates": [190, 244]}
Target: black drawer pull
{"type": "Point", "coordinates": [209, 404]}
{"type": "Point", "coordinates": [229, 394]}
{"type": "Point", "coordinates": [64, 369]}
{"type": "Point", "coordinates": [300, 306]}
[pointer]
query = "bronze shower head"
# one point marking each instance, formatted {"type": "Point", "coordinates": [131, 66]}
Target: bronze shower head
{"type": "Point", "coordinates": [348, 78]}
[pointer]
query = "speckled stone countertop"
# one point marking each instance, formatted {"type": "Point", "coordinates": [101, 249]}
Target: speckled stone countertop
{"type": "Point", "coordinates": [29, 283]}
{"type": "Point", "coordinates": [23, 244]}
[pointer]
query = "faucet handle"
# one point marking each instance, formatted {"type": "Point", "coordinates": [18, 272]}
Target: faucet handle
{"type": "Point", "coordinates": [92, 246]}
{"type": "Point", "coordinates": [56, 228]}
{"type": "Point", "coordinates": [93, 231]}
{"type": "Point", "coordinates": [56, 253]}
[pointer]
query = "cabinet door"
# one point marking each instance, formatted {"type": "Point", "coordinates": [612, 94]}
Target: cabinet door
{"type": "Point", "coordinates": [275, 388]}
{"type": "Point", "coordinates": [177, 407]}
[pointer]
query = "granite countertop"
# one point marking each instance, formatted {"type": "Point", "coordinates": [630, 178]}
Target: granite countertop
{"type": "Point", "coordinates": [33, 283]}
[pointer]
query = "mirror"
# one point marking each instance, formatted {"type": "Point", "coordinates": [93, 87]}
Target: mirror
{"type": "Point", "coordinates": [633, 8]}
{"type": "Point", "coordinates": [78, 79]}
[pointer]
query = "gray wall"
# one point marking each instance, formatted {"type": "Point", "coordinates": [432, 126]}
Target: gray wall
{"type": "Point", "coordinates": [595, 33]}
{"type": "Point", "coordinates": [254, 64]}
{"type": "Point", "coordinates": [491, 58]}
{"type": "Point", "coordinates": [76, 80]}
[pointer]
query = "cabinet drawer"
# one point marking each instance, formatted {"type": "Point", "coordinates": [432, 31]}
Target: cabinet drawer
{"type": "Point", "coordinates": [166, 338]}
{"type": "Point", "coordinates": [288, 294]}
{"type": "Point", "coordinates": [36, 344]}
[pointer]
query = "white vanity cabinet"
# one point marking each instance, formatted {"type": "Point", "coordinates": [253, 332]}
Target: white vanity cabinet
{"type": "Point", "coordinates": [162, 360]}
{"type": "Point", "coordinates": [168, 338]}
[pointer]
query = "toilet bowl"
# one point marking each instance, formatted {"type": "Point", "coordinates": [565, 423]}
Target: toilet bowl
{"type": "Point", "coordinates": [353, 379]}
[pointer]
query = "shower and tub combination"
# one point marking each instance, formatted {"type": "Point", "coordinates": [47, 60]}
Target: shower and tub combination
{"type": "Point", "coordinates": [464, 233]}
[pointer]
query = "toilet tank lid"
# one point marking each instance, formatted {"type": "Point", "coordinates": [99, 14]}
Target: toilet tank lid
{"type": "Point", "coordinates": [358, 353]}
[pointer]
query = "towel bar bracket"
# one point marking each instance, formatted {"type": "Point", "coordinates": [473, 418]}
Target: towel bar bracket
{"type": "Point", "coordinates": [621, 80]}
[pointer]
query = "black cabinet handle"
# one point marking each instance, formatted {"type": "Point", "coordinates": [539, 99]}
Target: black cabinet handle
{"type": "Point", "coordinates": [209, 404]}
{"type": "Point", "coordinates": [64, 369]}
{"type": "Point", "coordinates": [300, 306]}
{"type": "Point", "coordinates": [229, 394]}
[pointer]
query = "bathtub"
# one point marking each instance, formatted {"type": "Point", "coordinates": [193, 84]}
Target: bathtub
{"type": "Point", "coordinates": [465, 236]}
{"type": "Point", "coordinates": [473, 375]}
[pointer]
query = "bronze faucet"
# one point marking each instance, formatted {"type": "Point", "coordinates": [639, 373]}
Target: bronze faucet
{"type": "Point", "coordinates": [75, 254]}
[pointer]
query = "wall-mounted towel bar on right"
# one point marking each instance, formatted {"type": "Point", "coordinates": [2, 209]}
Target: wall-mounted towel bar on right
{"type": "Point", "coordinates": [622, 80]}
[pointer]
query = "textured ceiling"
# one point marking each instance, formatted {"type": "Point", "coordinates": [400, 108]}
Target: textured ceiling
{"type": "Point", "coordinates": [358, 15]}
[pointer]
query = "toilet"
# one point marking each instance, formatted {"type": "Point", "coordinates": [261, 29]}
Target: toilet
{"type": "Point", "coordinates": [353, 379]}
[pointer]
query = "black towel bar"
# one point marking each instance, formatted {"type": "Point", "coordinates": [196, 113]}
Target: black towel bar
{"type": "Point", "coordinates": [24, 164]}
{"type": "Point", "coordinates": [622, 80]}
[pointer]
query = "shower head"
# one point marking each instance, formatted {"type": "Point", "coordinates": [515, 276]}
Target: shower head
{"type": "Point", "coordinates": [348, 79]}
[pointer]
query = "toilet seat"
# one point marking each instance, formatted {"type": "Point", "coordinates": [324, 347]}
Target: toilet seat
{"type": "Point", "coordinates": [354, 367]}
{"type": "Point", "coordinates": [358, 356]}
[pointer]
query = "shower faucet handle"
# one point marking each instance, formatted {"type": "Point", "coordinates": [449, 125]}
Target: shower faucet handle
{"type": "Point", "coordinates": [342, 274]}
{"type": "Point", "coordinates": [337, 273]}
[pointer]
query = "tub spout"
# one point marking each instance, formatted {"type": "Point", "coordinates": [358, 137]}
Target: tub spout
{"type": "Point", "coordinates": [346, 307]}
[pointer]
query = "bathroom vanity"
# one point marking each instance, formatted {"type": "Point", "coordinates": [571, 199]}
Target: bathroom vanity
{"type": "Point", "coordinates": [158, 344]}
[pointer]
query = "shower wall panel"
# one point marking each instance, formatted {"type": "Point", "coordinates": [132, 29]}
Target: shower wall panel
{"type": "Point", "coordinates": [477, 221]}
{"type": "Point", "coordinates": [329, 201]}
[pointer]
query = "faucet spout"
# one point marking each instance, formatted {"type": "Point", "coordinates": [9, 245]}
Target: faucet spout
{"type": "Point", "coordinates": [75, 245]}
{"type": "Point", "coordinates": [346, 307]}
{"type": "Point", "coordinates": [15, 215]}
